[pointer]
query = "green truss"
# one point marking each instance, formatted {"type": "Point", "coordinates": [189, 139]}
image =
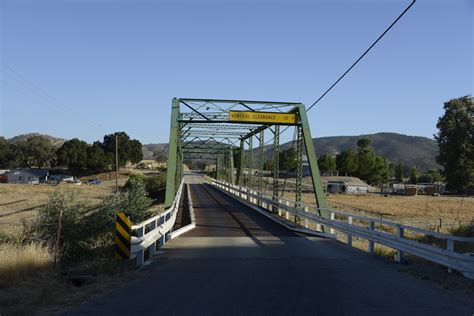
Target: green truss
{"type": "Point", "coordinates": [201, 129]}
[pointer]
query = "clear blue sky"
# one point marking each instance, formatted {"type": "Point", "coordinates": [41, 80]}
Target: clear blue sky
{"type": "Point", "coordinates": [87, 68]}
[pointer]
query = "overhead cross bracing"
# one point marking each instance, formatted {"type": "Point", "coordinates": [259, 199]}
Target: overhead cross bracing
{"type": "Point", "coordinates": [232, 134]}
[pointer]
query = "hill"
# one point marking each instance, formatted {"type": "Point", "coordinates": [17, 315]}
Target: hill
{"type": "Point", "coordinates": [56, 142]}
{"type": "Point", "coordinates": [410, 150]}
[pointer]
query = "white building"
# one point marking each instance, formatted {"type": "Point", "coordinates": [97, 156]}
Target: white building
{"type": "Point", "coordinates": [28, 176]}
{"type": "Point", "coordinates": [354, 187]}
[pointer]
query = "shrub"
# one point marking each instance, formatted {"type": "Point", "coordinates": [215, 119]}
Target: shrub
{"type": "Point", "coordinates": [153, 184]}
{"type": "Point", "coordinates": [45, 227]}
{"type": "Point", "coordinates": [82, 235]}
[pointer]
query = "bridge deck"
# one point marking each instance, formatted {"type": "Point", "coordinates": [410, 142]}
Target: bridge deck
{"type": "Point", "coordinates": [237, 262]}
{"type": "Point", "coordinates": [218, 215]}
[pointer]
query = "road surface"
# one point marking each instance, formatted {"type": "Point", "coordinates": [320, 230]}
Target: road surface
{"type": "Point", "coordinates": [237, 262]}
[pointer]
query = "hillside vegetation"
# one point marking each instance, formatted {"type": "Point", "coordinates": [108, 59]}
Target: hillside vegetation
{"type": "Point", "coordinates": [410, 150]}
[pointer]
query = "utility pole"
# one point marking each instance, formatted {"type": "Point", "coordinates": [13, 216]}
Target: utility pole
{"type": "Point", "coordinates": [116, 162]}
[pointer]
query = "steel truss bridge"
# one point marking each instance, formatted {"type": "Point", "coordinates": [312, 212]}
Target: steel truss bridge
{"type": "Point", "coordinates": [226, 246]}
{"type": "Point", "coordinates": [205, 129]}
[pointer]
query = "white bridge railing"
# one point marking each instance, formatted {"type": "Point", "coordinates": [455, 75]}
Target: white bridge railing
{"type": "Point", "coordinates": [155, 231]}
{"type": "Point", "coordinates": [344, 223]}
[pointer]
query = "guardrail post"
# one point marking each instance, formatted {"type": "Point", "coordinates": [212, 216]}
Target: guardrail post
{"type": "Point", "coordinates": [333, 217]}
{"type": "Point", "coordinates": [287, 214]}
{"type": "Point", "coordinates": [306, 223]}
{"type": "Point", "coordinates": [152, 248]}
{"type": "Point", "coordinates": [371, 243]}
{"type": "Point", "coordinates": [450, 247]}
{"type": "Point", "coordinates": [349, 236]}
{"type": "Point", "coordinates": [399, 256]}
{"type": "Point", "coordinates": [141, 254]}
{"type": "Point", "coordinates": [279, 209]}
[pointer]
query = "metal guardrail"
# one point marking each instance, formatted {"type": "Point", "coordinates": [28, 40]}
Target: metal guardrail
{"type": "Point", "coordinates": [155, 231]}
{"type": "Point", "coordinates": [462, 262]}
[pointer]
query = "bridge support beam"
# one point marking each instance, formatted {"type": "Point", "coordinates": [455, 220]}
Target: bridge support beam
{"type": "Point", "coordinates": [172, 165]}
{"type": "Point", "coordinates": [313, 163]}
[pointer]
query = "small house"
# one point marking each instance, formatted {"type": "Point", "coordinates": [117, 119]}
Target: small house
{"type": "Point", "coordinates": [28, 176]}
{"type": "Point", "coordinates": [352, 187]}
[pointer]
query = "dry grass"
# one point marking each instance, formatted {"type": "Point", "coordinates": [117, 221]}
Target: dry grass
{"type": "Point", "coordinates": [20, 202]}
{"type": "Point", "coordinates": [401, 207]}
{"type": "Point", "coordinates": [19, 262]}
{"type": "Point", "coordinates": [421, 206]}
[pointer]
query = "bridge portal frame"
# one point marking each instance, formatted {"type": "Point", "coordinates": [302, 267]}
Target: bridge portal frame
{"type": "Point", "coordinates": [205, 131]}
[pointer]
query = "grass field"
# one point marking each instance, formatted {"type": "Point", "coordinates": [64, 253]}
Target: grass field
{"type": "Point", "coordinates": [400, 207]}
{"type": "Point", "coordinates": [20, 202]}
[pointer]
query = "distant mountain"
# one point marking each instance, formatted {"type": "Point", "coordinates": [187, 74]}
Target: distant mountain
{"type": "Point", "coordinates": [410, 150]}
{"type": "Point", "coordinates": [56, 142]}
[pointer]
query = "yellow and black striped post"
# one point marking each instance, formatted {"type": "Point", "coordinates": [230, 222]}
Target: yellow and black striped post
{"type": "Point", "coordinates": [123, 233]}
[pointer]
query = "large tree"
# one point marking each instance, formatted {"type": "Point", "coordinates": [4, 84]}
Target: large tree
{"type": "Point", "coordinates": [35, 151]}
{"type": "Point", "coordinates": [399, 172]}
{"type": "Point", "coordinates": [73, 155]}
{"type": "Point", "coordinates": [128, 149]}
{"type": "Point", "coordinates": [456, 144]}
{"type": "Point", "coordinates": [413, 176]}
{"type": "Point", "coordinates": [365, 158]}
{"type": "Point", "coordinates": [97, 160]}
{"type": "Point", "coordinates": [346, 162]}
{"type": "Point", "coordinates": [287, 159]}
{"type": "Point", "coordinates": [4, 153]}
{"type": "Point", "coordinates": [136, 152]}
{"type": "Point", "coordinates": [326, 163]}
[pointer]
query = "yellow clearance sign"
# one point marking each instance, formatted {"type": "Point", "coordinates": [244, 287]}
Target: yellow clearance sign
{"type": "Point", "coordinates": [262, 117]}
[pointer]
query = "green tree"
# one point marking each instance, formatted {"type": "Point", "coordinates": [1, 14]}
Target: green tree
{"type": "Point", "coordinates": [346, 162]}
{"type": "Point", "coordinates": [128, 150]}
{"type": "Point", "coordinates": [366, 159]}
{"type": "Point", "coordinates": [326, 163]}
{"type": "Point", "coordinates": [287, 160]}
{"type": "Point", "coordinates": [381, 172]}
{"type": "Point", "coordinates": [73, 155]}
{"type": "Point", "coordinates": [136, 151]}
{"type": "Point", "coordinates": [35, 151]}
{"type": "Point", "coordinates": [413, 176]}
{"type": "Point", "coordinates": [456, 144]}
{"type": "Point", "coordinates": [97, 160]}
{"type": "Point", "coordinates": [436, 175]}
{"type": "Point", "coordinates": [4, 153]}
{"type": "Point", "coordinates": [399, 172]}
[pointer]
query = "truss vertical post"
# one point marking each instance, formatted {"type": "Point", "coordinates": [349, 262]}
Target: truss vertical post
{"type": "Point", "coordinates": [219, 168]}
{"type": "Point", "coordinates": [231, 166]}
{"type": "Point", "coordinates": [299, 168]}
{"type": "Point", "coordinates": [261, 144]}
{"type": "Point", "coordinates": [313, 163]}
{"type": "Point", "coordinates": [172, 165]}
{"type": "Point", "coordinates": [241, 162]}
{"type": "Point", "coordinates": [276, 164]}
{"type": "Point", "coordinates": [250, 164]}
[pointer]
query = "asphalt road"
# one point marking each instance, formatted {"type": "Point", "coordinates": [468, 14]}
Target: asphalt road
{"type": "Point", "coordinates": [237, 262]}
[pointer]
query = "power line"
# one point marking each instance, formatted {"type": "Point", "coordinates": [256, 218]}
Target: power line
{"type": "Point", "coordinates": [43, 97]}
{"type": "Point", "coordinates": [362, 56]}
